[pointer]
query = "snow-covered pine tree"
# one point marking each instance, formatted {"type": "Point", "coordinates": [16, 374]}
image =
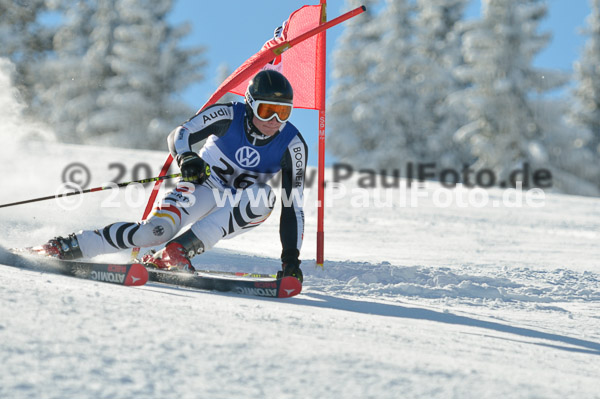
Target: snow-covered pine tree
{"type": "Point", "coordinates": [395, 117]}
{"type": "Point", "coordinates": [24, 39]}
{"type": "Point", "coordinates": [511, 120]}
{"type": "Point", "coordinates": [69, 83]}
{"type": "Point", "coordinates": [138, 107]}
{"type": "Point", "coordinates": [379, 131]}
{"type": "Point", "coordinates": [438, 43]}
{"type": "Point", "coordinates": [118, 68]}
{"type": "Point", "coordinates": [351, 136]}
{"type": "Point", "coordinates": [393, 78]}
{"type": "Point", "coordinates": [585, 110]}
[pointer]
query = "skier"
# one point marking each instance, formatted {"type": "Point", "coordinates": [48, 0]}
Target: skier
{"type": "Point", "coordinates": [246, 145]}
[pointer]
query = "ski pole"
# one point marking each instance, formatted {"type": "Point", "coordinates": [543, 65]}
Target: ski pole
{"type": "Point", "coordinates": [92, 190]}
{"type": "Point", "coordinates": [238, 274]}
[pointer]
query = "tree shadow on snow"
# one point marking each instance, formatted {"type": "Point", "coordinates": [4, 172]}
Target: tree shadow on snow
{"type": "Point", "coordinates": [390, 310]}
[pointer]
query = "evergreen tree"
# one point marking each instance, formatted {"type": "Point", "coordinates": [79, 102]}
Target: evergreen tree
{"type": "Point", "coordinates": [351, 136]}
{"type": "Point", "coordinates": [393, 71]}
{"type": "Point", "coordinates": [395, 91]}
{"type": "Point", "coordinates": [438, 43]}
{"type": "Point", "coordinates": [388, 106]}
{"type": "Point", "coordinates": [585, 111]}
{"type": "Point", "coordinates": [117, 72]}
{"type": "Point", "coordinates": [24, 39]}
{"type": "Point", "coordinates": [147, 66]}
{"type": "Point", "coordinates": [511, 122]}
{"type": "Point", "coordinates": [69, 83]}
{"type": "Point", "coordinates": [371, 107]}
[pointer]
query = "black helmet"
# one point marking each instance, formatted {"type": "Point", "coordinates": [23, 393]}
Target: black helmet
{"type": "Point", "coordinates": [269, 85]}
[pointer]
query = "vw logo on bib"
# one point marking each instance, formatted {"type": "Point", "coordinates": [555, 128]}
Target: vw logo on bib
{"type": "Point", "coordinates": [247, 157]}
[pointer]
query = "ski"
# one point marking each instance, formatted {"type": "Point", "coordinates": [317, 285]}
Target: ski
{"type": "Point", "coordinates": [239, 283]}
{"type": "Point", "coordinates": [134, 274]}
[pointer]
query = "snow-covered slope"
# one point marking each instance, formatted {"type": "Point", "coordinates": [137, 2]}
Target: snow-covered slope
{"type": "Point", "coordinates": [414, 302]}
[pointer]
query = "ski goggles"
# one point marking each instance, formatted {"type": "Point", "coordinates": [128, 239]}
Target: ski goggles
{"type": "Point", "coordinates": [266, 110]}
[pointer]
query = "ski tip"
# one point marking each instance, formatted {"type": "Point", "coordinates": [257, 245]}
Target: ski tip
{"type": "Point", "coordinates": [289, 287]}
{"type": "Point", "coordinates": [137, 275]}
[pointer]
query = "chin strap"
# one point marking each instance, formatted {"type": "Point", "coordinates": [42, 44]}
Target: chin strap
{"type": "Point", "coordinates": [253, 133]}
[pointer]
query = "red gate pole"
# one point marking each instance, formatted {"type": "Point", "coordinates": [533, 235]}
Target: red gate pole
{"type": "Point", "coordinates": [321, 73]}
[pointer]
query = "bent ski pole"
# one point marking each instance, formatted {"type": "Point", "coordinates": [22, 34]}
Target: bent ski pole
{"type": "Point", "coordinates": [92, 190]}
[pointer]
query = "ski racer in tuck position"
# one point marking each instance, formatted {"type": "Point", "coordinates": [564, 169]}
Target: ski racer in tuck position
{"type": "Point", "coordinates": [246, 145]}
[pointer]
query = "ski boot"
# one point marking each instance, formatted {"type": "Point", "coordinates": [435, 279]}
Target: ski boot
{"type": "Point", "coordinates": [292, 270]}
{"type": "Point", "coordinates": [61, 248]}
{"type": "Point", "coordinates": [177, 254]}
{"type": "Point", "coordinates": [290, 264]}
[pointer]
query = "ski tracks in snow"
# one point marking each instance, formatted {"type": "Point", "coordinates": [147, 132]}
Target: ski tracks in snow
{"type": "Point", "coordinates": [469, 282]}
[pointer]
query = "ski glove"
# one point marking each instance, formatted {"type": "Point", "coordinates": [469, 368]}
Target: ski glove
{"type": "Point", "coordinates": [193, 168]}
{"type": "Point", "coordinates": [290, 264]}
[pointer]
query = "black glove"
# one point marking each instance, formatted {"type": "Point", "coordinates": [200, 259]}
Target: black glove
{"type": "Point", "coordinates": [193, 168]}
{"type": "Point", "coordinates": [290, 264]}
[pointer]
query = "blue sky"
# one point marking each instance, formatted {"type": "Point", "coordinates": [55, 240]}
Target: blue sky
{"type": "Point", "coordinates": [233, 30]}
